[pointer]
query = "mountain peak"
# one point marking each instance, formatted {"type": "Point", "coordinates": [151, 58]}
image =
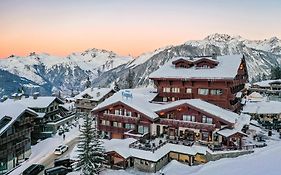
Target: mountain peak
{"type": "Point", "coordinates": [221, 37]}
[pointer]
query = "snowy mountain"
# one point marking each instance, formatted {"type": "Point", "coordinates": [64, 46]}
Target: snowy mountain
{"type": "Point", "coordinates": [260, 56]}
{"type": "Point", "coordinates": [51, 73]}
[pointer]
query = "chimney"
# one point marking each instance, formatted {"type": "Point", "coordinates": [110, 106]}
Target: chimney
{"type": "Point", "coordinates": [214, 56]}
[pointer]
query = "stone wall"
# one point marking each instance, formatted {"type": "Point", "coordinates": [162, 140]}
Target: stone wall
{"type": "Point", "coordinates": [216, 156]}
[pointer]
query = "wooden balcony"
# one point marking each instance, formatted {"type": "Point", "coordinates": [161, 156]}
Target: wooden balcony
{"type": "Point", "coordinates": [119, 118]}
{"type": "Point", "coordinates": [187, 124]}
{"type": "Point", "coordinates": [112, 129]}
{"type": "Point", "coordinates": [15, 135]}
{"type": "Point", "coordinates": [15, 147]}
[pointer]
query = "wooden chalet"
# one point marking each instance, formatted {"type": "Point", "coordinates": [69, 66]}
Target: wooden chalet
{"type": "Point", "coordinates": [219, 80]}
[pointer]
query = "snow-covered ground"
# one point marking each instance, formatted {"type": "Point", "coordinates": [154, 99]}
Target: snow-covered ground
{"type": "Point", "coordinates": [45, 148]}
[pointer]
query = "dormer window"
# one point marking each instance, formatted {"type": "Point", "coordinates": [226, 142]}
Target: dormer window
{"type": "Point", "coordinates": [183, 63]}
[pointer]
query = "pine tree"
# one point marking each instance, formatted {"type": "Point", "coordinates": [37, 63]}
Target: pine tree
{"type": "Point", "coordinates": [116, 86]}
{"type": "Point", "coordinates": [90, 148]}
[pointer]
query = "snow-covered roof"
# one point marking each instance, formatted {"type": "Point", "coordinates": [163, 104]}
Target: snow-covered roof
{"type": "Point", "coordinates": [243, 120]}
{"type": "Point", "coordinates": [262, 107]}
{"type": "Point", "coordinates": [204, 106]}
{"type": "Point", "coordinates": [140, 101]}
{"type": "Point", "coordinates": [12, 112]}
{"type": "Point", "coordinates": [266, 83]}
{"type": "Point", "coordinates": [96, 94]}
{"type": "Point", "coordinates": [255, 96]}
{"type": "Point", "coordinates": [226, 69]}
{"type": "Point", "coordinates": [39, 102]}
{"type": "Point", "coordinates": [121, 146]}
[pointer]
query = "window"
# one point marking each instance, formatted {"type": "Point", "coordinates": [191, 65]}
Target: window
{"type": "Point", "coordinates": [128, 113]}
{"type": "Point", "coordinates": [120, 125]}
{"type": "Point", "coordinates": [166, 89]}
{"type": "Point", "coordinates": [216, 92]}
{"type": "Point", "coordinates": [205, 136]}
{"type": "Point", "coordinates": [116, 112]}
{"type": "Point", "coordinates": [142, 129]}
{"type": "Point", "coordinates": [165, 99]}
{"type": "Point", "coordinates": [188, 118]}
{"type": "Point", "coordinates": [188, 90]}
{"type": "Point", "coordinates": [103, 122]}
{"type": "Point", "coordinates": [207, 119]}
{"type": "Point", "coordinates": [129, 126]}
{"type": "Point", "coordinates": [106, 112]}
{"type": "Point", "coordinates": [107, 123]}
{"type": "Point", "coordinates": [203, 91]}
{"type": "Point", "coordinates": [175, 90]}
{"type": "Point", "coordinates": [115, 124]}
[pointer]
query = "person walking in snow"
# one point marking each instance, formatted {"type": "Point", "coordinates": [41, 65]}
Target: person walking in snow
{"type": "Point", "coordinates": [63, 136]}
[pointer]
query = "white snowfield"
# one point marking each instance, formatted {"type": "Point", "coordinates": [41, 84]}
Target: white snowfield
{"type": "Point", "coordinates": [226, 69]}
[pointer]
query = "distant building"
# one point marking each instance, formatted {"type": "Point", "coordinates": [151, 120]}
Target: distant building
{"type": "Point", "coordinates": [218, 80]}
{"type": "Point", "coordinates": [269, 87]}
{"type": "Point", "coordinates": [91, 97]}
{"type": "Point", "coordinates": [268, 113]}
{"type": "Point", "coordinates": [16, 125]}
{"type": "Point", "coordinates": [51, 114]}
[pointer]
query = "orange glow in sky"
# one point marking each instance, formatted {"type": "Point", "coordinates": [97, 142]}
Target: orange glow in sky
{"type": "Point", "coordinates": [126, 26]}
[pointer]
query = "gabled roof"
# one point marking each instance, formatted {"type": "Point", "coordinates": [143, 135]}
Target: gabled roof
{"type": "Point", "coordinates": [204, 106]}
{"type": "Point", "coordinates": [96, 94]}
{"type": "Point", "coordinates": [12, 112]}
{"type": "Point", "coordinates": [226, 69]}
{"type": "Point", "coordinates": [141, 101]}
{"type": "Point", "coordinates": [39, 102]}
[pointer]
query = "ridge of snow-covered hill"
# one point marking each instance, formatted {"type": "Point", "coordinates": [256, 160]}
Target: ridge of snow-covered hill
{"type": "Point", "coordinates": [260, 56]}
{"type": "Point", "coordinates": [63, 73]}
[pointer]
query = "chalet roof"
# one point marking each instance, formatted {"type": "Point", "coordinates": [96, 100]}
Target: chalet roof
{"type": "Point", "coordinates": [255, 96]}
{"type": "Point", "coordinates": [140, 101]}
{"type": "Point", "coordinates": [226, 69]}
{"type": "Point", "coordinates": [266, 83]}
{"type": "Point", "coordinates": [121, 146]}
{"type": "Point", "coordinates": [212, 109]}
{"type": "Point", "coordinates": [39, 102]}
{"type": "Point", "coordinates": [96, 94]}
{"type": "Point", "coordinates": [243, 120]}
{"type": "Point", "coordinates": [262, 107]}
{"type": "Point", "coordinates": [11, 112]}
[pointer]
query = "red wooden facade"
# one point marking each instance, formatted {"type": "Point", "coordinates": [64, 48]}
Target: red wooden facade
{"type": "Point", "coordinates": [118, 118]}
{"type": "Point", "coordinates": [221, 92]}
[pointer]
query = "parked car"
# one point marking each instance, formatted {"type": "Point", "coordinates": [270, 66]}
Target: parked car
{"type": "Point", "coordinates": [59, 170]}
{"type": "Point", "coordinates": [65, 161]}
{"type": "Point", "coordinates": [61, 149]}
{"type": "Point", "coordinates": [33, 169]}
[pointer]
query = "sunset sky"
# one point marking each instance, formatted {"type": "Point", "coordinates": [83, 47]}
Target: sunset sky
{"type": "Point", "coordinates": [61, 27]}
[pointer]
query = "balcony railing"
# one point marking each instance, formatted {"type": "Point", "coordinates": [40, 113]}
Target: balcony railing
{"type": "Point", "coordinates": [15, 135]}
{"type": "Point", "coordinates": [187, 124]}
{"type": "Point", "coordinates": [119, 118]}
{"type": "Point", "coordinates": [112, 129]}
